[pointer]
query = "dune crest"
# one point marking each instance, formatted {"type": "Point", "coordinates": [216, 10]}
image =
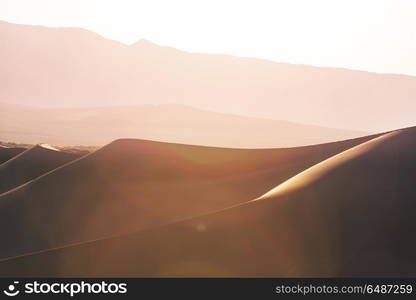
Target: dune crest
{"type": "Point", "coordinates": [31, 164]}
{"type": "Point", "coordinates": [47, 146]}
{"type": "Point", "coordinates": [308, 176]}
{"type": "Point", "coordinates": [7, 153]}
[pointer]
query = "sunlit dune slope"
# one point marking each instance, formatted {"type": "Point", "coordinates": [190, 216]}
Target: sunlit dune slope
{"type": "Point", "coordinates": [7, 153]}
{"type": "Point", "coordinates": [31, 164]}
{"type": "Point", "coordinates": [351, 215]}
{"type": "Point", "coordinates": [136, 184]}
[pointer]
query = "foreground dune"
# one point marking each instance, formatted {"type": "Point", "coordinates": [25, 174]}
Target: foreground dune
{"type": "Point", "coordinates": [31, 164]}
{"type": "Point", "coordinates": [7, 153]}
{"type": "Point", "coordinates": [136, 184]}
{"type": "Point", "coordinates": [350, 215]}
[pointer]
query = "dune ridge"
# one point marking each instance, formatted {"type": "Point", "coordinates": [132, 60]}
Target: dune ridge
{"type": "Point", "coordinates": [7, 153]}
{"type": "Point", "coordinates": [30, 164]}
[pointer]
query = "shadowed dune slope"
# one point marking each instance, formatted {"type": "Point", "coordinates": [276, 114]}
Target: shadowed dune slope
{"type": "Point", "coordinates": [31, 164]}
{"type": "Point", "coordinates": [137, 184]}
{"type": "Point", "coordinates": [351, 215]}
{"type": "Point", "coordinates": [7, 153]}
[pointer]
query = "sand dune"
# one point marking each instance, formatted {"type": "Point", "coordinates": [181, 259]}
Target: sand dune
{"type": "Point", "coordinates": [7, 153]}
{"type": "Point", "coordinates": [350, 215]}
{"type": "Point", "coordinates": [31, 164]}
{"type": "Point", "coordinates": [136, 184]}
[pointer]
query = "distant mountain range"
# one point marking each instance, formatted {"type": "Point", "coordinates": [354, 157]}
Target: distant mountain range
{"type": "Point", "coordinates": [72, 67]}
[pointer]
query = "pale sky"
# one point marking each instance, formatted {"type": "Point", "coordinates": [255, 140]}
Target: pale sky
{"type": "Point", "coordinates": [372, 35]}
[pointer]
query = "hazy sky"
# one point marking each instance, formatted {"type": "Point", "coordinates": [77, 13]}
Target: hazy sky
{"type": "Point", "coordinates": [373, 35]}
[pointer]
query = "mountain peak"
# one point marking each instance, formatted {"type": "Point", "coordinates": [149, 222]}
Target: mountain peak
{"type": "Point", "coordinates": [144, 43]}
